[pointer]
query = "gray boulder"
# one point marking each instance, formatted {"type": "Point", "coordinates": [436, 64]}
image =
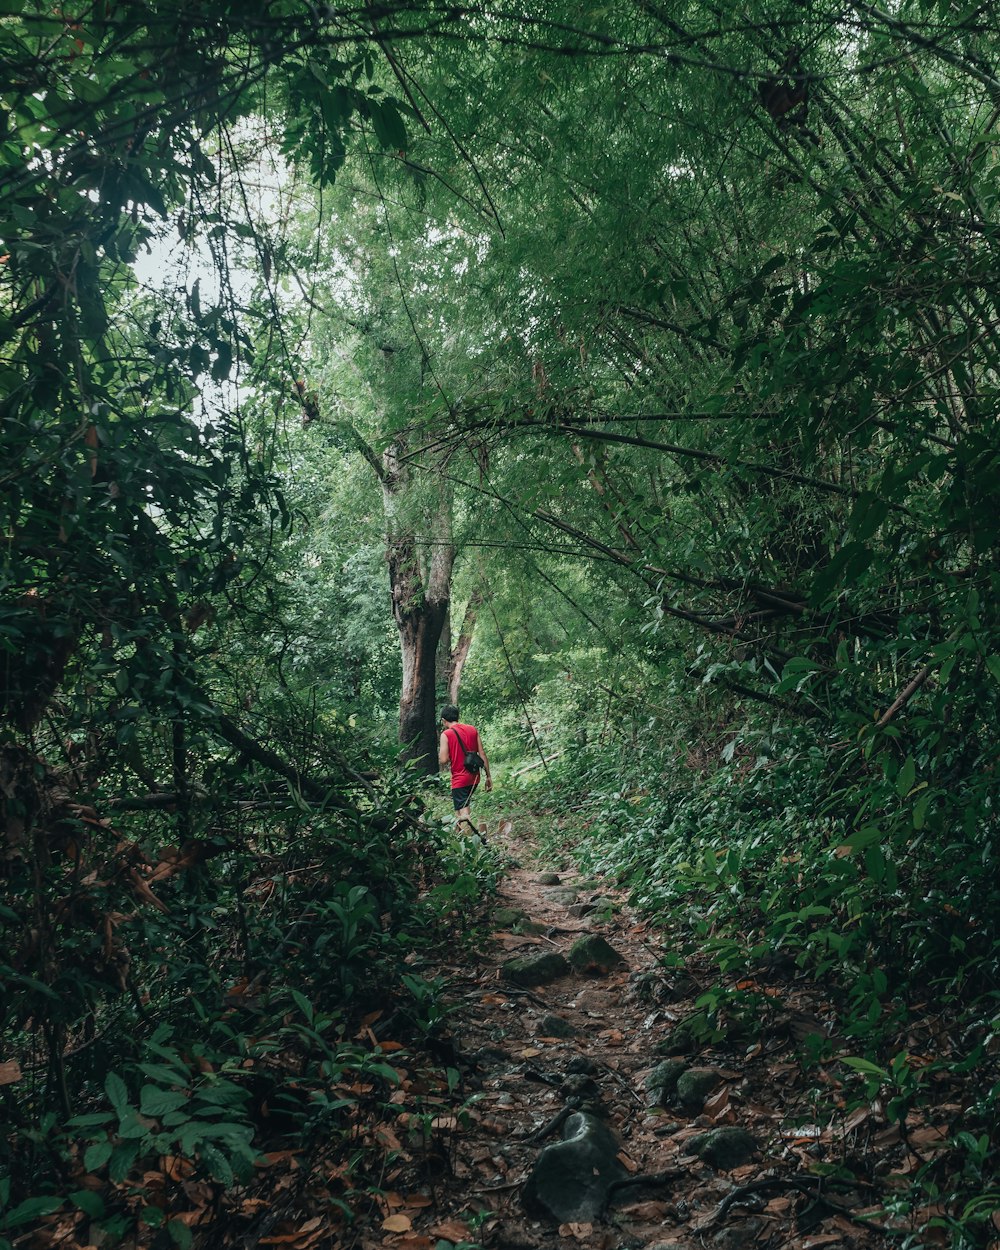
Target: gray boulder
{"type": "Point", "coordinates": [531, 928]}
{"type": "Point", "coordinates": [694, 1087]}
{"type": "Point", "coordinates": [508, 917]}
{"type": "Point", "coordinates": [594, 954]}
{"type": "Point", "coordinates": [535, 969]}
{"type": "Point", "coordinates": [571, 1179]}
{"type": "Point", "coordinates": [554, 1026]}
{"type": "Point", "coordinates": [723, 1148]}
{"type": "Point", "coordinates": [661, 1084]}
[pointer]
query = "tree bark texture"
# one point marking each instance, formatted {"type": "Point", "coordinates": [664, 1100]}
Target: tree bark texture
{"type": "Point", "coordinates": [420, 588]}
{"type": "Point", "coordinates": [460, 652]}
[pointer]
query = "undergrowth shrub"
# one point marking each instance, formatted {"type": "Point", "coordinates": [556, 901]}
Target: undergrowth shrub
{"type": "Point", "coordinates": [807, 850]}
{"type": "Point", "coordinates": [173, 1011]}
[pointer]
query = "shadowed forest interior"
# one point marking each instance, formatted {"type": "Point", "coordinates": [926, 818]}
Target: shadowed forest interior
{"type": "Point", "coordinates": [624, 373]}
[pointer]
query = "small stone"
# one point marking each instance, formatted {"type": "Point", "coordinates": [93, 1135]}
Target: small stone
{"type": "Point", "coordinates": [535, 969]}
{"type": "Point", "coordinates": [723, 1148]}
{"type": "Point", "coordinates": [694, 1086]}
{"type": "Point", "coordinates": [565, 897]}
{"type": "Point", "coordinates": [555, 1026]}
{"type": "Point", "coordinates": [594, 954]}
{"type": "Point", "coordinates": [531, 928]}
{"type": "Point", "coordinates": [579, 1085]}
{"type": "Point", "coordinates": [548, 878]}
{"type": "Point", "coordinates": [508, 917]}
{"type": "Point", "coordinates": [661, 1084]}
{"type": "Point", "coordinates": [571, 1180]}
{"type": "Point", "coordinates": [579, 910]}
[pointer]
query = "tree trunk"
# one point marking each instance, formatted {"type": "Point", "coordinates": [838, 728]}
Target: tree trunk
{"type": "Point", "coordinates": [420, 586]}
{"type": "Point", "coordinates": [460, 652]}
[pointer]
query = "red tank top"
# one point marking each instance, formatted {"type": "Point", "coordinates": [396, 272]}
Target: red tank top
{"type": "Point", "coordinates": [461, 738]}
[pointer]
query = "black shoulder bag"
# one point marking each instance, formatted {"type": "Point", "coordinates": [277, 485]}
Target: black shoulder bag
{"type": "Point", "coordinates": [472, 760]}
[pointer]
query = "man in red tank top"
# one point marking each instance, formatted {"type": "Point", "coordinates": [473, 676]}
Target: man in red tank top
{"type": "Point", "coordinates": [457, 741]}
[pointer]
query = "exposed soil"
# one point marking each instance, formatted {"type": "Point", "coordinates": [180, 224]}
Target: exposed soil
{"type": "Point", "coordinates": [514, 1081]}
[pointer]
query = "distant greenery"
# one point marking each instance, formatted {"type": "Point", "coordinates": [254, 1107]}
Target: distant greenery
{"type": "Point", "coordinates": [663, 341]}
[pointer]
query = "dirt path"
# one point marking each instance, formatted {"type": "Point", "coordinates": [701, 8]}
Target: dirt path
{"type": "Point", "coordinates": [517, 1075]}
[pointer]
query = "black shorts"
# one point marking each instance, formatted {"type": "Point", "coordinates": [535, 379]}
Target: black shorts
{"type": "Point", "coordinates": [461, 796]}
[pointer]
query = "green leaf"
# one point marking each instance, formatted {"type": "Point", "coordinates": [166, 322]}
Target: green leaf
{"type": "Point", "coordinates": [385, 1071]}
{"type": "Point", "coordinates": [217, 1163]}
{"type": "Point", "coordinates": [993, 664]}
{"type": "Point", "coordinates": [304, 1005]}
{"type": "Point", "coordinates": [122, 1158]}
{"type": "Point", "coordinates": [920, 810]}
{"type": "Point", "coordinates": [390, 129]}
{"type": "Point", "coordinates": [31, 1209]}
{"type": "Point", "coordinates": [117, 1092]}
{"type": "Point", "coordinates": [863, 837]}
{"type": "Point", "coordinates": [906, 778]}
{"type": "Point", "coordinates": [97, 1155]}
{"type": "Point", "coordinates": [875, 863]}
{"type": "Point", "coordinates": [180, 1234]}
{"type": "Point", "coordinates": [158, 1102]}
{"type": "Point", "coordinates": [90, 1203]}
{"type": "Point", "coordinates": [174, 1075]}
{"type": "Point", "coordinates": [865, 1066]}
{"type": "Point", "coordinates": [91, 1120]}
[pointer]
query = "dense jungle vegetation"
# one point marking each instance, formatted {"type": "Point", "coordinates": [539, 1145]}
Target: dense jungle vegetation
{"type": "Point", "coordinates": [627, 371]}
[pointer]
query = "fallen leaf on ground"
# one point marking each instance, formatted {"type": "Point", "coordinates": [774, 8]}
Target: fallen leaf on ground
{"type": "Point", "coordinates": [628, 1164]}
{"type": "Point", "coordinates": [856, 1119]}
{"type": "Point", "coordinates": [646, 1211]}
{"type": "Point", "coordinates": [10, 1072]}
{"type": "Point", "coordinates": [190, 1218]}
{"type": "Point", "coordinates": [176, 1168]}
{"type": "Point", "coordinates": [397, 1223]}
{"type": "Point", "coordinates": [452, 1230]}
{"type": "Point", "coordinates": [271, 1158]}
{"type": "Point", "coordinates": [717, 1104]}
{"type": "Point", "coordinates": [250, 1206]}
{"type": "Point", "coordinates": [580, 1231]}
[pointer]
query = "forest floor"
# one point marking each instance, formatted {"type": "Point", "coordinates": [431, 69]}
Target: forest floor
{"type": "Point", "coordinates": [522, 1053]}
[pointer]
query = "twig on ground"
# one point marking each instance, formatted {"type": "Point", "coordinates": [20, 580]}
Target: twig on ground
{"type": "Point", "coordinates": [810, 1186]}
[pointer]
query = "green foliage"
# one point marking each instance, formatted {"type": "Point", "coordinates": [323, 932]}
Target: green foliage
{"type": "Point", "coordinates": [700, 395]}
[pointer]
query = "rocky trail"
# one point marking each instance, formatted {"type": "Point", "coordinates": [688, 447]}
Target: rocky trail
{"type": "Point", "coordinates": [585, 1114]}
